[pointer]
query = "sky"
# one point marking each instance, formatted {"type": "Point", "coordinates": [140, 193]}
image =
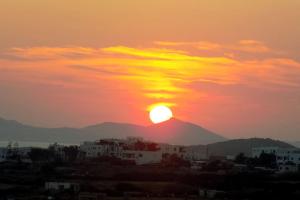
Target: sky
{"type": "Point", "coordinates": [230, 66]}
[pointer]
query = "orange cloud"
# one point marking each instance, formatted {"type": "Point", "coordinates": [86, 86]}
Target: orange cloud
{"type": "Point", "coordinates": [159, 73]}
{"type": "Point", "coordinates": [248, 46]}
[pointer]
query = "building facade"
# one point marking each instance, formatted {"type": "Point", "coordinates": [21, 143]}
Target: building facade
{"type": "Point", "coordinates": [132, 149]}
{"type": "Point", "coordinates": [105, 147]}
{"type": "Point", "coordinates": [287, 159]}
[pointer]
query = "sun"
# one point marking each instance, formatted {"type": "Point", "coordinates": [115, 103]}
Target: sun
{"type": "Point", "coordinates": [160, 113]}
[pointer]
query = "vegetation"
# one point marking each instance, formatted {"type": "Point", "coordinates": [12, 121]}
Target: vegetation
{"type": "Point", "coordinates": [264, 160]}
{"type": "Point", "coordinates": [174, 161]}
{"type": "Point", "coordinates": [41, 155]}
{"type": "Point", "coordinates": [71, 153]}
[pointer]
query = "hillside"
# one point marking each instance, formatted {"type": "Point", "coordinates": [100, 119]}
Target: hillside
{"type": "Point", "coordinates": [234, 147]}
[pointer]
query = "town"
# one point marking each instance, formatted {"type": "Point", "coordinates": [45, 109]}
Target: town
{"type": "Point", "coordinates": [134, 168]}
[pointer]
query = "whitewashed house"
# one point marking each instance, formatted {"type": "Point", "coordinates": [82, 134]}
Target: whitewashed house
{"type": "Point", "coordinates": [168, 150]}
{"type": "Point", "coordinates": [256, 152]}
{"type": "Point", "coordinates": [287, 159]}
{"type": "Point", "coordinates": [132, 149]}
{"type": "Point", "coordinates": [196, 153]}
{"type": "Point", "coordinates": [105, 147]}
{"type": "Point", "coordinates": [142, 157]}
{"type": "Point", "coordinates": [60, 186]}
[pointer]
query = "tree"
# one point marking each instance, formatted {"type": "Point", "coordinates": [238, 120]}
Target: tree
{"type": "Point", "coordinates": [267, 160]}
{"type": "Point", "coordinates": [174, 160]}
{"type": "Point", "coordinates": [241, 158]}
{"type": "Point", "coordinates": [40, 155]}
{"type": "Point", "coordinates": [71, 153]}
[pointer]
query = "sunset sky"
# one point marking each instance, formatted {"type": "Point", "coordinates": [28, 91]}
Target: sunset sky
{"type": "Point", "coordinates": [231, 66]}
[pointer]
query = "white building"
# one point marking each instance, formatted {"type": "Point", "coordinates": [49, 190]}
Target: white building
{"type": "Point", "coordinates": [142, 157]}
{"type": "Point", "coordinates": [288, 155]}
{"type": "Point", "coordinates": [259, 150]}
{"type": "Point", "coordinates": [133, 149]}
{"type": "Point", "coordinates": [287, 159]}
{"type": "Point", "coordinates": [168, 150]}
{"type": "Point", "coordinates": [196, 153]}
{"type": "Point", "coordinates": [60, 186]}
{"type": "Point", "coordinates": [140, 151]}
{"type": "Point", "coordinates": [105, 147]}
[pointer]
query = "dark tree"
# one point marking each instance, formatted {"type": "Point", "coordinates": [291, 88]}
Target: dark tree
{"type": "Point", "coordinates": [174, 160]}
{"type": "Point", "coordinates": [241, 158]}
{"type": "Point", "coordinates": [140, 145]}
{"type": "Point", "coordinates": [71, 153]}
{"type": "Point", "coordinates": [40, 155]}
{"type": "Point", "coordinates": [267, 160]}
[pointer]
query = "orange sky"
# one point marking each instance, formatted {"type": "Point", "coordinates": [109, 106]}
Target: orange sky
{"type": "Point", "coordinates": [232, 66]}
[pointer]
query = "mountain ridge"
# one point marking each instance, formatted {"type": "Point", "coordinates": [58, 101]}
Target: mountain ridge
{"type": "Point", "coordinates": [90, 133]}
{"type": "Point", "coordinates": [173, 131]}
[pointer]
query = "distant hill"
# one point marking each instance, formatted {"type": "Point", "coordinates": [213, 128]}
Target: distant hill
{"type": "Point", "coordinates": [173, 131]}
{"type": "Point", "coordinates": [234, 147]}
{"type": "Point", "coordinates": [177, 132]}
{"type": "Point", "coordinates": [296, 144]}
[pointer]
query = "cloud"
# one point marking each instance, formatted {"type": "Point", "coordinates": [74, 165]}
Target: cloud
{"type": "Point", "coordinates": [246, 46]}
{"type": "Point", "coordinates": [166, 70]}
{"type": "Point", "coordinates": [44, 53]}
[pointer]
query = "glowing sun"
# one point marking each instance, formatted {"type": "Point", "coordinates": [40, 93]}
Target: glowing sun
{"type": "Point", "coordinates": [160, 114]}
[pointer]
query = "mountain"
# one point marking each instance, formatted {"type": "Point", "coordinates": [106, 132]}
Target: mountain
{"type": "Point", "coordinates": [234, 147]}
{"type": "Point", "coordinates": [11, 130]}
{"type": "Point", "coordinates": [172, 131]}
{"type": "Point", "coordinates": [178, 132]}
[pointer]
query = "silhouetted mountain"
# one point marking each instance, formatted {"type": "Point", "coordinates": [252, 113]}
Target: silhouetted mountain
{"type": "Point", "coordinates": [15, 131]}
{"type": "Point", "coordinates": [173, 131]}
{"type": "Point", "coordinates": [179, 132]}
{"type": "Point", "coordinates": [234, 147]}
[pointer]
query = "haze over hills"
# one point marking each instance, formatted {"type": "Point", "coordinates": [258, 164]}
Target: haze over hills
{"type": "Point", "coordinates": [172, 131]}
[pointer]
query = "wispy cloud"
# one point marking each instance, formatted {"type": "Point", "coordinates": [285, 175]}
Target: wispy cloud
{"type": "Point", "coordinates": [247, 46]}
{"type": "Point", "coordinates": [40, 53]}
{"type": "Point", "coordinates": [163, 72]}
